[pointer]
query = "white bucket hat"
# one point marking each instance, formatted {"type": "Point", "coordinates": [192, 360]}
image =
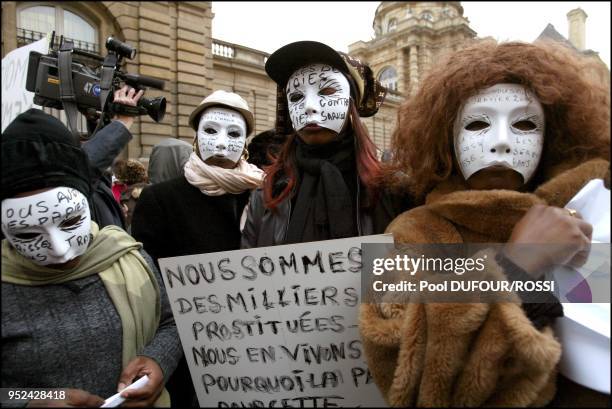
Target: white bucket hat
{"type": "Point", "coordinates": [225, 99]}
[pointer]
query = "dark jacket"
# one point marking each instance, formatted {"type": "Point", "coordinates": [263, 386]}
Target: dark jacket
{"type": "Point", "coordinates": [102, 149]}
{"type": "Point", "coordinates": [265, 227]}
{"type": "Point", "coordinates": [174, 218]}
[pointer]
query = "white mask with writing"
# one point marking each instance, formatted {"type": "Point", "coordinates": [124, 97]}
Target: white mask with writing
{"type": "Point", "coordinates": [501, 125]}
{"type": "Point", "coordinates": [51, 227]}
{"type": "Point", "coordinates": [221, 134]}
{"type": "Point", "coordinates": [318, 95]}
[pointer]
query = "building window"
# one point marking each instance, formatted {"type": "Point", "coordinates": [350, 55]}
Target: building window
{"type": "Point", "coordinates": [426, 15]}
{"type": "Point", "coordinates": [448, 12]}
{"type": "Point", "coordinates": [392, 25]}
{"type": "Point", "coordinates": [34, 22]}
{"type": "Point", "coordinates": [388, 78]}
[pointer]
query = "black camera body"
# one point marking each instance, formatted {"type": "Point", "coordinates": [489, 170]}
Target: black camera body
{"type": "Point", "coordinates": [43, 79]}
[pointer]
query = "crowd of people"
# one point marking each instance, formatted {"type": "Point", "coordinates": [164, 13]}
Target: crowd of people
{"type": "Point", "coordinates": [497, 140]}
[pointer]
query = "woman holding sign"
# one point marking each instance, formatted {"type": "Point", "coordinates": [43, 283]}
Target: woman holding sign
{"type": "Point", "coordinates": [83, 308]}
{"type": "Point", "coordinates": [497, 141]}
{"type": "Point", "coordinates": [199, 212]}
{"type": "Point", "coordinates": [323, 184]}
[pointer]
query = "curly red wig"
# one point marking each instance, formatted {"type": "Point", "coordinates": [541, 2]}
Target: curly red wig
{"type": "Point", "coordinates": [577, 110]}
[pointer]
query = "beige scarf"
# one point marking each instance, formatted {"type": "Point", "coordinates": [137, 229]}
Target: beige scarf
{"type": "Point", "coordinates": [128, 279]}
{"type": "Point", "coordinates": [217, 181]}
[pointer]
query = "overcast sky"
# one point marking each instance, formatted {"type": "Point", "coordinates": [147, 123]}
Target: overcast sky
{"type": "Point", "coordinates": [267, 26]}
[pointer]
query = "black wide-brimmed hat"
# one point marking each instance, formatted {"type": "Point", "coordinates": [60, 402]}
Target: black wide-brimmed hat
{"type": "Point", "coordinates": [369, 93]}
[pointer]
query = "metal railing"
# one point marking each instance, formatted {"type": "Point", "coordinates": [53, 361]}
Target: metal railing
{"type": "Point", "coordinates": [25, 37]}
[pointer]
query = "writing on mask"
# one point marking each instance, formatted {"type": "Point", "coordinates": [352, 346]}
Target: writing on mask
{"type": "Point", "coordinates": [318, 94]}
{"type": "Point", "coordinates": [503, 124]}
{"type": "Point", "coordinates": [49, 227]}
{"type": "Point", "coordinates": [222, 134]}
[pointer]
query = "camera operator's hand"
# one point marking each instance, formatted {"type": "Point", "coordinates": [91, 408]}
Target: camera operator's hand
{"type": "Point", "coordinates": [126, 96]}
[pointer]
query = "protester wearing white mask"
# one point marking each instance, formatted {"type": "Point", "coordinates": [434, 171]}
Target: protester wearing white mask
{"type": "Point", "coordinates": [83, 308]}
{"type": "Point", "coordinates": [200, 211]}
{"type": "Point", "coordinates": [500, 127]}
{"type": "Point", "coordinates": [496, 142]}
{"type": "Point", "coordinates": [324, 182]}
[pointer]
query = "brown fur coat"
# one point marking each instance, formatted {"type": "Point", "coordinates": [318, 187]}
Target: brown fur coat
{"type": "Point", "coordinates": [467, 354]}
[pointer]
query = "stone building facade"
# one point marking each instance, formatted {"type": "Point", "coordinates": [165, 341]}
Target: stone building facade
{"type": "Point", "coordinates": [409, 38]}
{"type": "Point", "coordinates": [173, 40]}
{"type": "Point", "coordinates": [241, 70]}
{"type": "Point", "coordinates": [174, 43]}
{"type": "Point", "coordinates": [596, 69]}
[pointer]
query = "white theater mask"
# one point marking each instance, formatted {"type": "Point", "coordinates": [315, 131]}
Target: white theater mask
{"type": "Point", "coordinates": [221, 135]}
{"type": "Point", "coordinates": [318, 96]}
{"type": "Point", "coordinates": [51, 227]}
{"type": "Point", "coordinates": [502, 125]}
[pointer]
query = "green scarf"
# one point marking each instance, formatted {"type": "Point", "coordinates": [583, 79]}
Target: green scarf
{"type": "Point", "coordinates": [128, 279]}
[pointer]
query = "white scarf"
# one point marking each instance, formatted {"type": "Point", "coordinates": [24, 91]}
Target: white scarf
{"type": "Point", "coordinates": [217, 181]}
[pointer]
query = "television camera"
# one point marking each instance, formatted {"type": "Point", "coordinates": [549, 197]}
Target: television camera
{"type": "Point", "coordinates": [86, 83]}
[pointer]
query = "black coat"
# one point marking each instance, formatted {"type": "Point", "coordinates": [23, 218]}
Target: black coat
{"type": "Point", "coordinates": [174, 218]}
{"type": "Point", "coordinates": [102, 149]}
{"type": "Point", "coordinates": [265, 227]}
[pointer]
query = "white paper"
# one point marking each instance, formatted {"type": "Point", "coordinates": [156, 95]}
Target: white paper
{"type": "Point", "coordinates": [117, 399]}
{"type": "Point", "coordinates": [593, 203]}
{"type": "Point", "coordinates": [584, 331]}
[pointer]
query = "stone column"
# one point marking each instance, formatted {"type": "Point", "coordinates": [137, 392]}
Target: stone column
{"type": "Point", "coordinates": [414, 69]}
{"type": "Point", "coordinates": [576, 20]}
{"type": "Point", "coordinates": [194, 61]}
{"type": "Point", "coordinates": [9, 27]}
{"type": "Point", "coordinates": [402, 81]}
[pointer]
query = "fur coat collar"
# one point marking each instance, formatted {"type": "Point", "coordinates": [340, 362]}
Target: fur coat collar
{"type": "Point", "coordinates": [467, 354]}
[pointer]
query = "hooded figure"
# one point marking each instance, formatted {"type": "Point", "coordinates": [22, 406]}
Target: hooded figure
{"type": "Point", "coordinates": [497, 141]}
{"type": "Point", "coordinates": [82, 307]}
{"type": "Point", "coordinates": [167, 160]}
{"type": "Point", "coordinates": [323, 184]}
{"type": "Point", "coordinates": [199, 212]}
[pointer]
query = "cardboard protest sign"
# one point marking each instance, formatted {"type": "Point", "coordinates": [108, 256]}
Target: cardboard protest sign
{"type": "Point", "coordinates": [15, 98]}
{"type": "Point", "coordinates": [274, 326]}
